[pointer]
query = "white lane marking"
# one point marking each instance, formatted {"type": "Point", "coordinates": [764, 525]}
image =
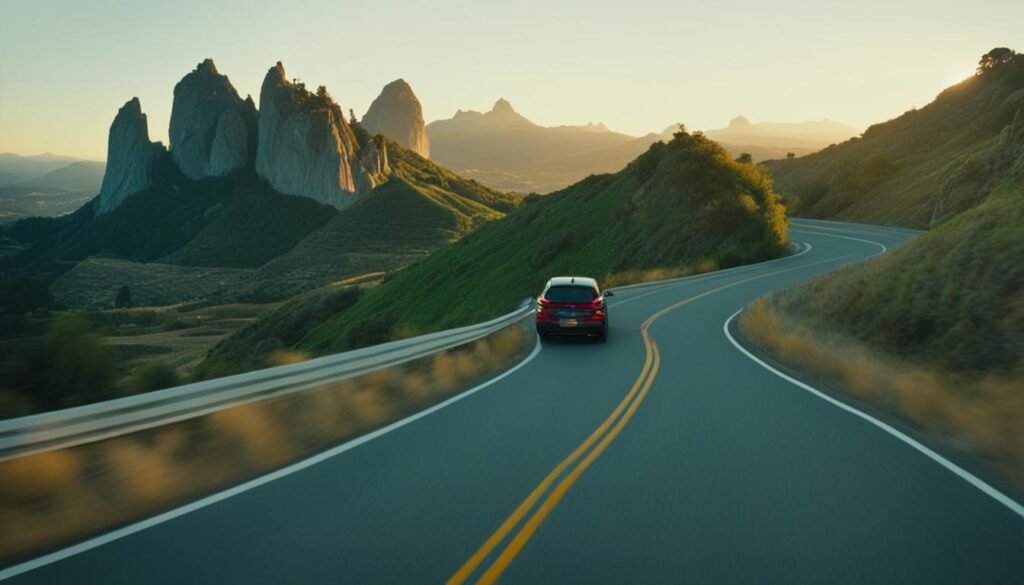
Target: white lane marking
{"type": "Point", "coordinates": [860, 226]}
{"type": "Point", "coordinates": [877, 234]}
{"type": "Point", "coordinates": [879, 244]}
{"type": "Point", "coordinates": [702, 277]}
{"type": "Point", "coordinates": [999, 496]}
{"type": "Point", "coordinates": [122, 532]}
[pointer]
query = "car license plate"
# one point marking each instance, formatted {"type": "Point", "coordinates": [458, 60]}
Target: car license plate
{"type": "Point", "coordinates": [567, 323]}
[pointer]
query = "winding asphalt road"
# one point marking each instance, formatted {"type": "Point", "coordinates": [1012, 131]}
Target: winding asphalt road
{"type": "Point", "coordinates": [664, 456]}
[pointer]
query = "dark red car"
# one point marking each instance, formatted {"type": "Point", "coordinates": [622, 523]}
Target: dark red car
{"type": "Point", "coordinates": [572, 305]}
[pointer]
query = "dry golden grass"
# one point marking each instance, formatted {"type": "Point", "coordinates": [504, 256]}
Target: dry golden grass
{"type": "Point", "coordinates": [50, 498]}
{"type": "Point", "coordinates": [981, 416]}
{"type": "Point", "coordinates": [636, 276]}
{"type": "Point", "coordinates": [361, 279]}
{"type": "Point", "coordinates": [283, 357]}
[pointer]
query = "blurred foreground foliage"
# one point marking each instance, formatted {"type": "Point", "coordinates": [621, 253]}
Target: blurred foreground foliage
{"type": "Point", "coordinates": [68, 366]}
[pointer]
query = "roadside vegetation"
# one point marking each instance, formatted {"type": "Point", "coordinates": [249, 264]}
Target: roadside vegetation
{"type": "Point", "coordinates": [52, 360]}
{"type": "Point", "coordinates": [51, 498]}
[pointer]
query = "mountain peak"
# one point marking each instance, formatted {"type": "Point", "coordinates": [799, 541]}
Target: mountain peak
{"type": "Point", "coordinates": [502, 106]}
{"type": "Point", "coordinates": [275, 73]}
{"type": "Point", "coordinates": [207, 67]}
{"type": "Point", "coordinates": [132, 107]}
{"type": "Point", "coordinates": [398, 115]}
{"type": "Point", "coordinates": [739, 122]}
{"type": "Point", "coordinates": [211, 126]}
{"type": "Point", "coordinates": [130, 157]}
{"type": "Point", "coordinates": [398, 86]}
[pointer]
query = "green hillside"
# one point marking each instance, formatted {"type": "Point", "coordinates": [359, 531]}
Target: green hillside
{"type": "Point", "coordinates": [679, 205]}
{"type": "Point", "coordinates": [918, 169]}
{"type": "Point", "coordinates": [420, 209]}
{"type": "Point", "coordinates": [951, 298]}
{"type": "Point", "coordinates": [222, 221]}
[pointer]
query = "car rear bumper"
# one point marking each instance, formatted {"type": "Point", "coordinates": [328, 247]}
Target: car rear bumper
{"type": "Point", "coordinates": [581, 328]}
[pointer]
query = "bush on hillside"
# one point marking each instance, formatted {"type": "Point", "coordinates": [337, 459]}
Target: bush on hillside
{"type": "Point", "coordinates": [69, 366]}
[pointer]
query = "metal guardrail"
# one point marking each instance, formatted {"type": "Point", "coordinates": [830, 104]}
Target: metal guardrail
{"type": "Point", "coordinates": [93, 422]}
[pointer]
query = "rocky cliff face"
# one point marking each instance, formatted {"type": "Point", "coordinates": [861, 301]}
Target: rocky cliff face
{"type": "Point", "coordinates": [130, 157]}
{"type": "Point", "coordinates": [212, 129]}
{"type": "Point", "coordinates": [305, 146]}
{"type": "Point", "coordinates": [397, 114]}
{"type": "Point", "coordinates": [373, 165]}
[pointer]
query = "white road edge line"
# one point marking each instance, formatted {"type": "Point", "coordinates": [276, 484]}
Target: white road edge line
{"type": "Point", "coordinates": [967, 476]}
{"type": "Point", "coordinates": [141, 525]}
{"type": "Point", "coordinates": [879, 244]}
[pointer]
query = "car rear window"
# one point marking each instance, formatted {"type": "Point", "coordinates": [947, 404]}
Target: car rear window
{"type": "Point", "coordinates": [570, 294]}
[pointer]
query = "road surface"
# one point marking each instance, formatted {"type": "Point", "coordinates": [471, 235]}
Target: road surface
{"type": "Point", "coordinates": [663, 456]}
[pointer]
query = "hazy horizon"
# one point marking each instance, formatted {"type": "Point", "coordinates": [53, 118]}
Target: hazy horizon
{"type": "Point", "coordinates": [575, 63]}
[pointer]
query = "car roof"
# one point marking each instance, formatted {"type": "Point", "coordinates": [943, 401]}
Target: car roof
{"type": "Point", "coordinates": [572, 281]}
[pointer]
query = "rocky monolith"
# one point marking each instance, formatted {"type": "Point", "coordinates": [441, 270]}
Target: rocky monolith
{"type": "Point", "coordinates": [130, 157]}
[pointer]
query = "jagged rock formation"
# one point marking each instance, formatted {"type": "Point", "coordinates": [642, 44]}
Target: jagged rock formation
{"type": "Point", "coordinates": [213, 130]}
{"type": "Point", "coordinates": [374, 165]}
{"type": "Point", "coordinates": [130, 157]}
{"type": "Point", "coordinates": [397, 114]}
{"type": "Point", "coordinates": [305, 146]}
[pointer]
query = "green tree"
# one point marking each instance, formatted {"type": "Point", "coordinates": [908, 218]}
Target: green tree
{"type": "Point", "coordinates": [745, 157]}
{"type": "Point", "coordinates": [996, 58]}
{"type": "Point", "coordinates": [71, 365]}
{"type": "Point", "coordinates": [153, 377]}
{"type": "Point", "coordinates": [22, 294]}
{"type": "Point", "coordinates": [123, 298]}
{"type": "Point", "coordinates": [790, 155]}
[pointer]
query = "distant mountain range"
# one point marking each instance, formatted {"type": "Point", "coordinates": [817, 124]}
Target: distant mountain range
{"type": "Point", "coordinates": [15, 168]}
{"type": "Point", "coordinates": [505, 149]}
{"type": "Point", "coordinates": [45, 185]}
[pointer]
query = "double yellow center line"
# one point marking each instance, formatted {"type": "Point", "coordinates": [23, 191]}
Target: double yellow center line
{"type": "Point", "coordinates": [602, 437]}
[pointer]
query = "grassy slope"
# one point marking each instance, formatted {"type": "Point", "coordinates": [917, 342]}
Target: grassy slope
{"type": "Point", "coordinates": [953, 298]}
{"type": "Point", "coordinates": [235, 221]}
{"type": "Point", "coordinates": [915, 170]}
{"type": "Point", "coordinates": [253, 224]}
{"type": "Point", "coordinates": [679, 204]}
{"type": "Point", "coordinates": [420, 209]}
{"type": "Point", "coordinates": [94, 283]}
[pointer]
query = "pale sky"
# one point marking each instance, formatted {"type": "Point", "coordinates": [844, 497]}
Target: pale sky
{"type": "Point", "coordinates": [638, 66]}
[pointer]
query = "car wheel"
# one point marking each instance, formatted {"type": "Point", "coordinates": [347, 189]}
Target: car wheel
{"type": "Point", "coordinates": [603, 336]}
